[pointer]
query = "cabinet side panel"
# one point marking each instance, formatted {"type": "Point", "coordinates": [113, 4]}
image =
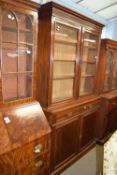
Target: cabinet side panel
{"type": "Point", "coordinates": [43, 62]}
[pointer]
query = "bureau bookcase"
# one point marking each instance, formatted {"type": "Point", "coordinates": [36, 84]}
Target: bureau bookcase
{"type": "Point", "coordinates": [24, 130]}
{"type": "Point", "coordinates": [68, 56]}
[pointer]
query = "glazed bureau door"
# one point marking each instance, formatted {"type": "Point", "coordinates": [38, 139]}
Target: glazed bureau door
{"type": "Point", "coordinates": [89, 63]}
{"type": "Point", "coordinates": [64, 62]}
{"type": "Point", "coordinates": [17, 55]}
{"type": "Point", "coordinates": [65, 143]}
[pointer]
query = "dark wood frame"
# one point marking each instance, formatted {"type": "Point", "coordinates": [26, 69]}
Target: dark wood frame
{"type": "Point", "coordinates": [107, 45]}
{"type": "Point", "coordinates": [61, 113]}
{"type": "Point", "coordinates": [28, 8]}
{"type": "Point", "coordinates": [49, 13]}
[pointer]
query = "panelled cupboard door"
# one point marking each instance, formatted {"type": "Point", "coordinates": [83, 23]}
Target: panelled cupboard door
{"type": "Point", "coordinates": [64, 61]}
{"type": "Point", "coordinates": [112, 120]}
{"type": "Point", "coordinates": [65, 143]}
{"type": "Point", "coordinates": [87, 129]}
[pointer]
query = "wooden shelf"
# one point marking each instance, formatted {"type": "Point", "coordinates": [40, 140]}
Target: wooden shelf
{"type": "Point", "coordinates": [65, 60]}
{"type": "Point", "coordinates": [11, 29]}
{"type": "Point", "coordinates": [87, 75]}
{"type": "Point", "coordinates": [61, 98]}
{"type": "Point", "coordinates": [67, 41]}
{"type": "Point", "coordinates": [63, 77]}
{"type": "Point", "coordinates": [7, 28]}
{"type": "Point", "coordinates": [89, 46]}
{"type": "Point", "coordinates": [12, 42]}
{"type": "Point", "coordinates": [25, 30]}
{"type": "Point", "coordinates": [24, 72]}
{"type": "Point", "coordinates": [90, 62]}
{"type": "Point", "coordinates": [26, 43]}
{"type": "Point", "coordinates": [84, 93]}
{"type": "Point", "coordinates": [9, 42]}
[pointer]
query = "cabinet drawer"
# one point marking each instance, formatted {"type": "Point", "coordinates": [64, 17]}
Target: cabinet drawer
{"type": "Point", "coordinates": [31, 150]}
{"type": "Point", "coordinates": [64, 115]}
{"type": "Point", "coordinates": [68, 114]}
{"type": "Point", "coordinates": [33, 166]}
{"type": "Point", "coordinates": [113, 104]}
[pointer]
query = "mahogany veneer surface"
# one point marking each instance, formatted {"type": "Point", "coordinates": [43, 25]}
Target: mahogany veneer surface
{"type": "Point", "coordinates": [27, 122]}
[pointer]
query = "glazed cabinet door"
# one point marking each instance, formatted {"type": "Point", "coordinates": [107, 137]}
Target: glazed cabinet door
{"type": "Point", "coordinates": [65, 143]}
{"type": "Point", "coordinates": [108, 70]}
{"type": "Point", "coordinates": [114, 79]}
{"type": "Point", "coordinates": [64, 62]}
{"type": "Point", "coordinates": [17, 54]}
{"type": "Point", "coordinates": [87, 129]}
{"type": "Point", "coordinates": [89, 63]}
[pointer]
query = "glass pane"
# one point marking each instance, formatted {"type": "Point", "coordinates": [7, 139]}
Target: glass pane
{"type": "Point", "coordinates": [25, 27]}
{"type": "Point", "coordinates": [62, 89]}
{"type": "Point", "coordinates": [88, 65]}
{"type": "Point", "coordinates": [9, 58]}
{"type": "Point", "coordinates": [25, 58]}
{"type": "Point", "coordinates": [64, 51]}
{"type": "Point", "coordinates": [90, 40]}
{"type": "Point", "coordinates": [89, 55]}
{"type": "Point", "coordinates": [114, 80]}
{"type": "Point", "coordinates": [86, 85]}
{"type": "Point", "coordinates": [63, 68]}
{"type": "Point", "coordinates": [25, 85]}
{"type": "Point", "coordinates": [10, 87]}
{"type": "Point", "coordinates": [65, 33]}
{"type": "Point", "coordinates": [107, 83]}
{"type": "Point", "coordinates": [109, 64]}
{"type": "Point", "coordinates": [9, 27]}
{"type": "Point", "coordinates": [65, 54]}
{"type": "Point", "coordinates": [88, 69]}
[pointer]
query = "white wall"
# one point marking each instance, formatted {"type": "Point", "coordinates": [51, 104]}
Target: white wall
{"type": "Point", "coordinates": [110, 30]}
{"type": "Point", "coordinates": [76, 7]}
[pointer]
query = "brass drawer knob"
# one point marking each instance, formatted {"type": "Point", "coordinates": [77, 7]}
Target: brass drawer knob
{"type": "Point", "coordinates": [69, 114]}
{"type": "Point", "coordinates": [85, 107]}
{"type": "Point", "coordinates": [114, 104]}
{"type": "Point", "coordinates": [39, 164]}
{"type": "Point", "coordinates": [38, 148]}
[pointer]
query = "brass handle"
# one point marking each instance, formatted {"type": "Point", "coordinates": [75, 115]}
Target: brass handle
{"type": "Point", "coordinates": [38, 148]}
{"type": "Point", "coordinates": [85, 107]}
{"type": "Point", "coordinates": [114, 104]}
{"type": "Point", "coordinates": [58, 28]}
{"type": "Point", "coordinates": [39, 164]}
{"type": "Point", "coordinates": [69, 114]}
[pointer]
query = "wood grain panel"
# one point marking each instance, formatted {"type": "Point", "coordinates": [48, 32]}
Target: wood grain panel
{"type": "Point", "coordinates": [25, 124]}
{"type": "Point", "coordinates": [5, 144]}
{"type": "Point", "coordinates": [88, 129]}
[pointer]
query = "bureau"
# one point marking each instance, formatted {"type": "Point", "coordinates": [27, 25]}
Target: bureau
{"type": "Point", "coordinates": [25, 142]}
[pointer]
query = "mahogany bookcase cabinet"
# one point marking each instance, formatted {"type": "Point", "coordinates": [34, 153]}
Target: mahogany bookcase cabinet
{"type": "Point", "coordinates": [108, 88]}
{"type": "Point", "coordinates": [68, 55]}
{"type": "Point", "coordinates": [24, 130]}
